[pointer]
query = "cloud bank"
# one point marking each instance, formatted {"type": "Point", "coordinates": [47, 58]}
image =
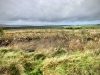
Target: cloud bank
{"type": "Point", "coordinates": [49, 11]}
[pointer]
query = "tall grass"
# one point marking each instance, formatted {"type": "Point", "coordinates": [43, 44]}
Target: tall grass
{"type": "Point", "coordinates": [50, 52]}
{"type": "Point", "coordinates": [18, 62]}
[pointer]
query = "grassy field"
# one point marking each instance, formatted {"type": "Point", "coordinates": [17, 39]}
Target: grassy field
{"type": "Point", "coordinates": [65, 50]}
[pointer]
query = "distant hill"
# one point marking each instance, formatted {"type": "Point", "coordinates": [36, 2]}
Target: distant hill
{"type": "Point", "coordinates": [4, 25]}
{"type": "Point", "coordinates": [87, 26]}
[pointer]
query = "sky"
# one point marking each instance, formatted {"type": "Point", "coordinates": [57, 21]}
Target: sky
{"type": "Point", "coordinates": [49, 12]}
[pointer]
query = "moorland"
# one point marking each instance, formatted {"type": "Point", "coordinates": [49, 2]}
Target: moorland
{"type": "Point", "coordinates": [50, 50]}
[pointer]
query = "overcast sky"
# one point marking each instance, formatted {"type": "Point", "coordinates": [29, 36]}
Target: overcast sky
{"type": "Point", "coordinates": [49, 12]}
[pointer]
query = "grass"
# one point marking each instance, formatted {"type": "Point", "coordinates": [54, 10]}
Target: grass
{"type": "Point", "coordinates": [76, 63]}
{"type": "Point", "coordinates": [17, 62]}
{"type": "Point", "coordinates": [51, 51]}
{"type": "Point", "coordinates": [53, 38]}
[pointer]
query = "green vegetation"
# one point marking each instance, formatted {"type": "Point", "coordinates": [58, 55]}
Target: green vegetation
{"type": "Point", "coordinates": [83, 26]}
{"type": "Point", "coordinates": [87, 26]}
{"type": "Point", "coordinates": [66, 50]}
{"type": "Point", "coordinates": [18, 62]}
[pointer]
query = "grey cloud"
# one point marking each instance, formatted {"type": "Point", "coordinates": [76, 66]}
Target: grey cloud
{"type": "Point", "coordinates": [49, 10]}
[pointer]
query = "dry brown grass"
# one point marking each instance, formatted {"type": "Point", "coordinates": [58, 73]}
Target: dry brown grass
{"type": "Point", "coordinates": [49, 39]}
